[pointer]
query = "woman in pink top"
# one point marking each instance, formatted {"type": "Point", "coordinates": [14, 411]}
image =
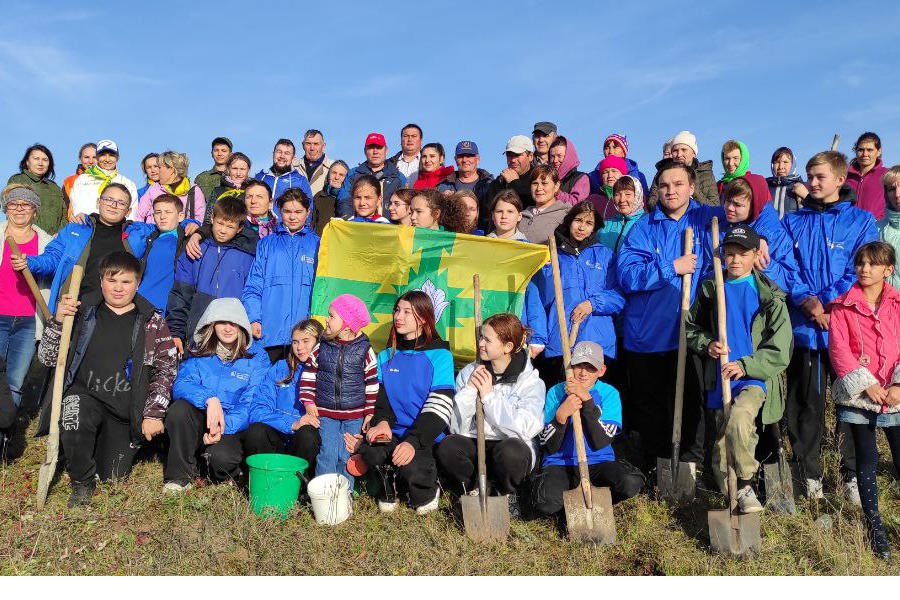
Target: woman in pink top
{"type": "Point", "coordinates": [18, 324]}
{"type": "Point", "coordinates": [173, 168]}
{"type": "Point", "coordinates": [864, 345]}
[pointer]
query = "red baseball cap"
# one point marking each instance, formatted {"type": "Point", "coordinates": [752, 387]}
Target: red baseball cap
{"type": "Point", "coordinates": [375, 139]}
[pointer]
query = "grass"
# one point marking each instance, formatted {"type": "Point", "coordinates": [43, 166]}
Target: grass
{"type": "Point", "coordinates": [130, 529]}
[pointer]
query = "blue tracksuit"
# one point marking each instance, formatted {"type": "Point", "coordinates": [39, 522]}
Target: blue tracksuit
{"type": "Point", "coordinates": [607, 398]}
{"type": "Point", "coordinates": [281, 183]}
{"type": "Point", "coordinates": [276, 404]}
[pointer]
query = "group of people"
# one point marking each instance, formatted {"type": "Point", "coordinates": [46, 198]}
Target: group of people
{"type": "Point", "coordinates": [193, 323]}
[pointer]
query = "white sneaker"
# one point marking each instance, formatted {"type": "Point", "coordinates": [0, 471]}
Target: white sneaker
{"type": "Point", "coordinates": [431, 506]}
{"type": "Point", "coordinates": [814, 489]}
{"type": "Point", "coordinates": [171, 488]}
{"type": "Point", "coordinates": [387, 507]}
{"type": "Point", "coordinates": [851, 492]}
{"type": "Point", "coordinates": [747, 501]}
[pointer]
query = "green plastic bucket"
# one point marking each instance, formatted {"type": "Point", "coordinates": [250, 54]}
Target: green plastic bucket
{"type": "Point", "coordinates": [275, 483]}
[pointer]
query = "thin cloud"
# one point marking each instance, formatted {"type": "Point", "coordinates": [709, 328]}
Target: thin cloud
{"type": "Point", "coordinates": [375, 86]}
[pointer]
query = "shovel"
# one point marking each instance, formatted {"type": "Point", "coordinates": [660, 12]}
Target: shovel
{"type": "Point", "coordinates": [29, 279]}
{"type": "Point", "coordinates": [779, 482]}
{"type": "Point", "coordinates": [486, 518]}
{"type": "Point", "coordinates": [589, 512]}
{"type": "Point", "coordinates": [48, 468]}
{"type": "Point", "coordinates": [676, 480]}
{"type": "Point", "coordinates": [729, 532]}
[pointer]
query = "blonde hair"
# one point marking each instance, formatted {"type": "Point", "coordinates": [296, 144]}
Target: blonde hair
{"type": "Point", "coordinates": [729, 146]}
{"type": "Point", "coordinates": [175, 160]}
{"type": "Point", "coordinates": [889, 179]}
{"type": "Point", "coordinates": [835, 160]}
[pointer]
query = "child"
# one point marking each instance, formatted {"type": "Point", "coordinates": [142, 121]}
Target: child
{"type": "Point", "coordinates": [278, 290]}
{"type": "Point", "coordinates": [258, 198]}
{"type": "Point", "coordinates": [220, 272]}
{"type": "Point", "coordinates": [865, 351]}
{"type": "Point", "coordinates": [399, 206]}
{"type": "Point", "coordinates": [506, 214]}
{"type": "Point", "coordinates": [430, 209]}
{"type": "Point", "coordinates": [278, 422]}
{"type": "Point", "coordinates": [513, 397]}
{"type": "Point", "coordinates": [628, 200]}
{"type": "Point", "coordinates": [366, 195]}
{"type": "Point", "coordinates": [826, 233]}
{"type": "Point", "coordinates": [468, 203]}
{"type": "Point", "coordinates": [212, 396]}
{"type": "Point", "coordinates": [163, 247]}
{"type": "Point", "coordinates": [889, 227]}
{"type": "Point", "coordinates": [340, 384]}
{"type": "Point", "coordinates": [325, 202]}
{"type": "Point", "coordinates": [601, 417]}
{"type": "Point", "coordinates": [118, 374]}
{"type": "Point", "coordinates": [758, 352]}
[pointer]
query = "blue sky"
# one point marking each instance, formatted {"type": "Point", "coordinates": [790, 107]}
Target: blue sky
{"type": "Point", "coordinates": [164, 75]}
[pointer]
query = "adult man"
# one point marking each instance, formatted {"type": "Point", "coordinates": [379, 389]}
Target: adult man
{"type": "Point", "coordinates": [282, 175]}
{"type": "Point", "coordinates": [407, 160]}
{"type": "Point", "coordinates": [314, 164]}
{"type": "Point", "coordinates": [684, 150]}
{"type": "Point", "coordinates": [516, 176]}
{"type": "Point", "coordinates": [650, 264]}
{"type": "Point", "coordinates": [89, 186]}
{"type": "Point", "coordinates": [376, 165]}
{"type": "Point", "coordinates": [209, 180]}
{"type": "Point", "coordinates": [543, 135]}
{"type": "Point", "coordinates": [467, 175]}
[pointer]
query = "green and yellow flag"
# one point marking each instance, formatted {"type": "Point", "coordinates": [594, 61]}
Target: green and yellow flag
{"type": "Point", "coordinates": [378, 263]}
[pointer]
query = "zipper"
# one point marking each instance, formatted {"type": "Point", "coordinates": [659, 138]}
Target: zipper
{"type": "Point", "coordinates": [339, 372]}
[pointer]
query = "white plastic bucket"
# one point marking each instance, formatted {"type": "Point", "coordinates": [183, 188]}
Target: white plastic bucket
{"type": "Point", "coordinates": [330, 497]}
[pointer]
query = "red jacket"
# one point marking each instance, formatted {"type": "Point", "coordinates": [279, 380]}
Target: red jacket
{"type": "Point", "coordinates": [426, 180]}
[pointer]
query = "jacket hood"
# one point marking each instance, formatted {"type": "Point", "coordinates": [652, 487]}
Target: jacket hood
{"type": "Point", "coordinates": [568, 245]}
{"type": "Point", "coordinates": [517, 365]}
{"type": "Point", "coordinates": [856, 299]}
{"type": "Point", "coordinates": [846, 194]}
{"type": "Point", "coordinates": [760, 195]}
{"type": "Point", "coordinates": [570, 162]}
{"type": "Point", "coordinates": [224, 309]}
{"type": "Point", "coordinates": [777, 181]}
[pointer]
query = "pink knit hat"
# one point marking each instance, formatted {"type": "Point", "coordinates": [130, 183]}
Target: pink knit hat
{"type": "Point", "coordinates": [614, 162]}
{"type": "Point", "coordinates": [619, 139]}
{"type": "Point", "coordinates": [352, 311]}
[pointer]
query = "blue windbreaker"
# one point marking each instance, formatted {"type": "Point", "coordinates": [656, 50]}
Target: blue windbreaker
{"type": "Point", "coordinates": [277, 404]}
{"type": "Point", "coordinates": [278, 291]}
{"type": "Point", "coordinates": [534, 315]}
{"type": "Point", "coordinates": [281, 183]}
{"type": "Point", "coordinates": [783, 266]}
{"type": "Point", "coordinates": [825, 238]}
{"type": "Point", "coordinates": [391, 180]}
{"type": "Point", "coordinates": [646, 273]}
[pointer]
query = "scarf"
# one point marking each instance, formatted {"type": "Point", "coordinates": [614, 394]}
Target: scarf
{"type": "Point", "coordinates": [224, 353]}
{"type": "Point", "coordinates": [150, 182]}
{"type": "Point", "coordinates": [104, 176]}
{"type": "Point", "coordinates": [232, 193]}
{"type": "Point", "coordinates": [742, 167]}
{"type": "Point", "coordinates": [179, 190]}
{"type": "Point", "coordinates": [607, 191]}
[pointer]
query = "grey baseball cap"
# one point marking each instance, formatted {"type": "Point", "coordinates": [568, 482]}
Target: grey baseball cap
{"type": "Point", "coordinates": [588, 352]}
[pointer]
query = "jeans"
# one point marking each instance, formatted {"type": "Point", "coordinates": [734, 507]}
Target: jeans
{"type": "Point", "coordinates": [17, 346]}
{"type": "Point", "coordinates": [333, 455]}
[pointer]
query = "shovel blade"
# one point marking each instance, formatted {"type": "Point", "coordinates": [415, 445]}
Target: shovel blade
{"type": "Point", "coordinates": [492, 525]}
{"type": "Point", "coordinates": [739, 536]}
{"type": "Point", "coordinates": [596, 524]}
{"type": "Point", "coordinates": [779, 487]}
{"type": "Point", "coordinates": [676, 490]}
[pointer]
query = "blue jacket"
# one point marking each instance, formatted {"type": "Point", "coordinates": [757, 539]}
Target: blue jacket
{"type": "Point", "coordinates": [825, 238]}
{"type": "Point", "coordinates": [219, 273]}
{"type": "Point", "coordinates": [159, 266]}
{"type": "Point", "coordinates": [71, 246]}
{"type": "Point", "coordinates": [276, 404]}
{"type": "Point", "coordinates": [234, 384]}
{"type": "Point", "coordinates": [646, 272]}
{"type": "Point", "coordinates": [534, 315]}
{"type": "Point", "coordinates": [783, 266]}
{"type": "Point", "coordinates": [588, 274]}
{"type": "Point", "coordinates": [615, 228]}
{"type": "Point", "coordinates": [607, 399]}
{"type": "Point", "coordinates": [281, 183]}
{"type": "Point", "coordinates": [633, 170]}
{"type": "Point", "coordinates": [391, 181]}
{"type": "Point", "coordinates": [278, 290]}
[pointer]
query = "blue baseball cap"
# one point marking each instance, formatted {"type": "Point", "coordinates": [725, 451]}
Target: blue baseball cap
{"type": "Point", "coordinates": [466, 148]}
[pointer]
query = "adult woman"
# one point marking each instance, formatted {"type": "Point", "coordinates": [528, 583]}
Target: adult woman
{"type": "Point", "coordinates": [431, 209]}
{"type": "Point", "coordinates": [539, 221]}
{"type": "Point", "coordinates": [609, 171]}
{"type": "Point", "coordinates": [431, 168]}
{"type": "Point", "coordinates": [785, 187]}
{"type": "Point", "coordinates": [172, 172]}
{"type": "Point", "coordinates": [865, 174]}
{"type": "Point", "coordinates": [506, 214]}
{"type": "Point", "coordinates": [628, 200]}
{"type": "Point", "coordinates": [237, 170]}
{"type": "Point", "coordinates": [735, 161]}
{"type": "Point", "coordinates": [150, 167]}
{"type": "Point", "coordinates": [399, 206]}
{"type": "Point", "coordinates": [616, 144]}
{"type": "Point", "coordinates": [513, 397]}
{"type": "Point", "coordinates": [590, 292]}
{"type": "Point", "coordinates": [325, 202]}
{"type": "Point", "coordinates": [20, 323]}
{"type": "Point", "coordinates": [574, 185]}
{"type": "Point", "coordinates": [36, 170]}
{"type": "Point", "coordinates": [413, 406]}
{"type": "Point", "coordinates": [87, 157]}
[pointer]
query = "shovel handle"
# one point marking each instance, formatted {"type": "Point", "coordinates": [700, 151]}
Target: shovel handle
{"type": "Point", "coordinates": [479, 405]}
{"type": "Point", "coordinates": [29, 279]}
{"type": "Point", "coordinates": [573, 337]}
{"type": "Point", "coordinates": [682, 343]}
{"type": "Point", "coordinates": [834, 142]}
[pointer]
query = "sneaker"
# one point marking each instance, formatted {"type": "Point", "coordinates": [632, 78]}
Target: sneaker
{"type": "Point", "coordinates": [814, 489]}
{"type": "Point", "coordinates": [81, 493]}
{"type": "Point", "coordinates": [431, 506]}
{"type": "Point", "coordinates": [172, 488]}
{"type": "Point", "coordinates": [851, 492]}
{"type": "Point", "coordinates": [747, 501]}
{"type": "Point", "coordinates": [515, 508]}
{"type": "Point", "coordinates": [387, 506]}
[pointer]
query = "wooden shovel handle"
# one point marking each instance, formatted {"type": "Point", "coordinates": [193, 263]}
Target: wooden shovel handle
{"type": "Point", "coordinates": [682, 341]}
{"type": "Point", "coordinates": [479, 404]}
{"type": "Point", "coordinates": [834, 142]}
{"type": "Point", "coordinates": [29, 279]}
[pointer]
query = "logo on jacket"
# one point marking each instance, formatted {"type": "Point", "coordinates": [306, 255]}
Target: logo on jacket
{"type": "Point", "coordinates": [241, 376]}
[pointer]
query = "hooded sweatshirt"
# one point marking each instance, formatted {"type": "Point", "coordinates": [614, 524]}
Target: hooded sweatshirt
{"type": "Point", "coordinates": [538, 224]}
{"type": "Point", "coordinates": [869, 188]}
{"type": "Point", "coordinates": [616, 226]}
{"type": "Point", "coordinates": [574, 186]}
{"type": "Point", "coordinates": [889, 231]}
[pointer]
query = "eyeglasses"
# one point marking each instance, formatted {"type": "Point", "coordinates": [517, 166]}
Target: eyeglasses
{"type": "Point", "coordinates": [19, 207]}
{"type": "Point", "coordinates": [114, 203]}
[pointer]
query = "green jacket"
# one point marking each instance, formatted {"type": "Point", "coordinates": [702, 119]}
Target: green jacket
{"type": "Point", "coordinates": [51, 216]}
{"type": "Point", "coordinates": [889, 231]}
{"type": "Point", "coordinates": [207, 181]}
{"type": "Point", "coordinates": [773, 340]}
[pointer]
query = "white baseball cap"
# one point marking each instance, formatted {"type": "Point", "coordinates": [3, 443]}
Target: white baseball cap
{"type": "Point", "coordinates": [107, 146]}
{"type": "Point", "coordinates": [519, 144]}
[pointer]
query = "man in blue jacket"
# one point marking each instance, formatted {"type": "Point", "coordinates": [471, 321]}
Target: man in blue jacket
{"type": "Point", "coordinates": [650, 265]}
{"type": "Point", "coordinates": [282, 175]}
{"type": "Point", "coordinates": [376, 165]}
{"type": "Point", "coordinates": [826, 233]}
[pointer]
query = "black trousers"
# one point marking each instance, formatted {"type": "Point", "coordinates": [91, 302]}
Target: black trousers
{"type": "Point", "coordinates": [94, 440]}
{"type": "Point", "coordinates": [277, 353]}
{"type": "Point", "coordinates": [263, 439]}
{"type": "Point", "coordinates": [808, 375]}
{"type": "Point", "coordinates": [623, 479]}
{"type": "Point", "coordinates": [508, 462]}
{"type": "Point", "coordinates": [651, 382]}
{"type": "Point", "coordinates": [867, 463]}
{"type": "Point", "coordinates": [419, 475]}
{"type": "Point", "coordinates": [186, 425]}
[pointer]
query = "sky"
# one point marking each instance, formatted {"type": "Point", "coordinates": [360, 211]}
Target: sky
{"type": "Point", "coordinates": [167, 75]}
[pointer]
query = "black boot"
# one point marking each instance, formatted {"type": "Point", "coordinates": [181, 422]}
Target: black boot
{"type": "Point", "coordinates": [81, 493]}
{"type": "Point", "coordinates": [880, 545]}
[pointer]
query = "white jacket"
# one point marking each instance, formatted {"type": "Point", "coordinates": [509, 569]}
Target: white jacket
{"type": "Point", "coordinates": [86, 192]}
{"type": "Point", "coordinates": [511, 410]}
{"type": "Point", "coordinates": [44, 238]}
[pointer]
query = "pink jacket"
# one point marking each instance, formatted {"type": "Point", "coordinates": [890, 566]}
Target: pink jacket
{"type": "Point", "coordinates": [145, 204]}
{"type": "Point", "coordinates": [864, 346]}
{"type": "Point", "coordinates": [869, 188]}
